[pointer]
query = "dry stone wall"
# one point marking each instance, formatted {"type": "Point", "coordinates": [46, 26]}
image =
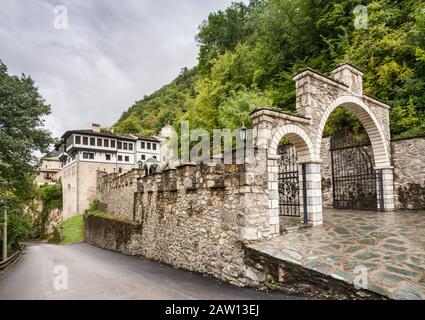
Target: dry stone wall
{"type": "Point", "coordinates": [409, 173]}
{"type": "Point", "coordinates": [326, 171]}
{"type": "Point", "coordinates": [112, 234]}
{"type": "Point", "coordinates": [116, 192]}
{"type": "Point", "coordinates": [195, 217]}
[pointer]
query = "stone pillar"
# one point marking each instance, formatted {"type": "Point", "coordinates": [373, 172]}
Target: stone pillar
{"type": "Point", "coordinates": [388, 189]}
{"type": "Point", "coordinates": [304, 94]}
{"type": "Point", "coordinates": [256, 222]}
{"type": "Point", "coordinates": [262, 131]}
{"type": "Point", "coordinates": [273, 188]}
{"type": "Point", "coordinates": [314, 192]}
{"type": "Point", "coordinates": [350, 76]}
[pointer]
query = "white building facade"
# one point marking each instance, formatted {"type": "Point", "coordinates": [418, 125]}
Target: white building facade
{"type": "Point", "coordinates": [84, 152]}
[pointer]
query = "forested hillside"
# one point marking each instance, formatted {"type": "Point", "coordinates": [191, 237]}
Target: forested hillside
{"type": "Point", "coordinates": [249, 53]}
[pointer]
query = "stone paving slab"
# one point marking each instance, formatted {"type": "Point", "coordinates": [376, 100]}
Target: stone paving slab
{"type": "Point", "coordinates": [388, 247]}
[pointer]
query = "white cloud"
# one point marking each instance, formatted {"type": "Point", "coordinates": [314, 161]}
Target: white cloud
{"type": "Point", "coordinates": [112, 54]}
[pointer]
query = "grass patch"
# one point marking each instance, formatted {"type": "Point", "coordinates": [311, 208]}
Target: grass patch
{"type": "Point", "coordinates": [71, 230]}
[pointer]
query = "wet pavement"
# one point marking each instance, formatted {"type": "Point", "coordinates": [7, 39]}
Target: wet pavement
{"type": "Point", "coordinates": [383, 252]}
{"type": "Point", "coordinates": [81, 271]}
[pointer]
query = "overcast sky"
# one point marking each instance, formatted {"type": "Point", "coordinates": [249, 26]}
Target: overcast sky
{"type": "Point", "coordinates": [111, 54]}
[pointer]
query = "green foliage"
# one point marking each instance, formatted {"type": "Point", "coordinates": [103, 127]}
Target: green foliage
{"type": "Point", "coordinates": [95, 207]}
{"type": "Point", "coordinates": [22, 113]}
{"type": "Point", "coordinates": [234, 111]}
{"type": "Point", "coordinates": [50, 198]}
{"type": "Point", "coordinates": [69, 231]}
{"type": "Point", "coordinates": [150, 114]}
{"type": "Point", "coordinates": [248, 52]}
{"type": "Point", "coordinates": [222, 32]}
{"type": "Point", "coordinates": [18, 228]}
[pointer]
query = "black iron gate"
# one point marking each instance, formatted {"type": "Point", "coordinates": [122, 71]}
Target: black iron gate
{"type": "Point", "coordinates": [356, 183]}
{"type": "Point", "coordinates": [289, 181]}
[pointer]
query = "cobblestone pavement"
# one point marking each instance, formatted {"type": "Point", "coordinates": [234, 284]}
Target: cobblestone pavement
{"type": "Point", "coordinates": [389, 246]}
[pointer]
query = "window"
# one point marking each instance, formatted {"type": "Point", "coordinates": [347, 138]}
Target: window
{"type": "Point", "coordinates": [85, 140]}
{"type": "Point", "coordinates": [154, 157]}
{"type": "Point", "coordinates": [142, 144]}
{"type": "Point", "coordinates": [154, 146]}
{"type": "Point", "coordinates": [88, 155]}
{"type": "Point", "coordinates": [143, 157]}
{"type": "Point", "coordinates": [99, 142]}
{"type": "Point", "coordinates": [108, 157]}
{"type": "Point", "coordinates": [130, 146]}
{"type": "Point", "coordinates": [119, 145]}
{"type": "Point", "coordinates": [149, 145]}
{"type": "Point", "coordinates": [92, 141]}
{"type": "Point", "coordinates": [125, 146]}
{"type": "Point", "coordinates": [119, 158]}
{"type": "Point", "coordinates": [112, 143]}
{"type": "Point", "coordinates": [127, 159]}
{"type": "Point", "coordinates": [77, 140]}
{"type": "Point", "coordinates": [106, 143]}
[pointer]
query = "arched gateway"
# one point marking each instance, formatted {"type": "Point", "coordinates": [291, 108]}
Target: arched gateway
{"type": "Point", "coordinates": [317, 96]}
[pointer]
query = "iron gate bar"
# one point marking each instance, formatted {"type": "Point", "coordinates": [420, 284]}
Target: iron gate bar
{"type": "Point", "coordinates": [381, 191]}
{"type": "Point", "coordinates": [288, 181]}
{"type": "Point", "coordinates": [355, 181]}
{"type": "Point", "coordinates": [305, 193]}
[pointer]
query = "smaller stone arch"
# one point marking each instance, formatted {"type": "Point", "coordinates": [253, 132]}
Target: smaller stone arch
{"type": "Point", "coordinates": [305, 151]}
{"type": "Point", "coordinates": [298, 137]}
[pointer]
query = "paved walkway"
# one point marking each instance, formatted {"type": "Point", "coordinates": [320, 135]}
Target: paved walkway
{"type": "Point", "coordinates": [95, 273]}
{"type": "Point", "coordinates": [388, 247]}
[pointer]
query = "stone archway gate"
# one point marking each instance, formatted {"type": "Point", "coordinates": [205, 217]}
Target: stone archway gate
{"type": "Point", "coordinates": [317, 96]}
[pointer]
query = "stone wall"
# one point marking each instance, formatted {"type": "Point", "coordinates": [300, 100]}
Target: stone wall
{"type": "Point", "coordinates": [195, 217]}
{"type": "Point", "coordinates": [116, 192]}
{"type": "Point", "coordinates": [409, 173]}
{"type": "Point", "coordinates": [326, 171]}
{"type": "Point", "coordinates": [271, 272]}
{"type": "Point", "coordinates": [112, 234]}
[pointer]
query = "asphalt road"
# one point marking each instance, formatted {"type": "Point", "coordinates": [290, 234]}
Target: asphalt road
{"type": "Point", "coordinates": [93, 273]}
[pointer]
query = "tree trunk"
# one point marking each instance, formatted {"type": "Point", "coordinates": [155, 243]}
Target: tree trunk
{"type": "Point", "coordinates": [5, 235]}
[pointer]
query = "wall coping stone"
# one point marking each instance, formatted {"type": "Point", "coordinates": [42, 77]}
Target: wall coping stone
{"type": "Point", "coordinates": [376, 101]}
{"type": "Point", "coordinates": [279, 114]}
{"type": "Point", "coordinates": [350, 66]}
{"type": "Point", "coordinates": [316, 74]}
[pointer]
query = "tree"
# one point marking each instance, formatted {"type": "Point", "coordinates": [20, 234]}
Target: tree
{"type": "Point", "coordinates": [223, 31]}
{"type": "Point", "coordinates": [22, 111]}
{"type": "Point", "coordinates": [259, 46]}
{"type": "Point", "coordinates": [234, 111]}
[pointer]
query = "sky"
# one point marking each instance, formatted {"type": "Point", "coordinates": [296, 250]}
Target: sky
{"type": "Point", "coordinates": [92, 59]}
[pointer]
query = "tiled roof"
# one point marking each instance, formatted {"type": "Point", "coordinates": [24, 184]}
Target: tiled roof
{"type": "Point", "coordinates": [108, 134]}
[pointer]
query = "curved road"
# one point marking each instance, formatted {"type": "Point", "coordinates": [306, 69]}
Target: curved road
{"type": "Point", "coordinates": [95, 273]}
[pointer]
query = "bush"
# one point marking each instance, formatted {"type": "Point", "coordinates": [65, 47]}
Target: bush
{"type": "Point", "coordinates": [69, 231]}
{"type": "Point", "coordinates": [18, 229]}
{"type": "Point", "coordinates": [50, 197]}
{"type": "Point", "coordinates": [94, 207]}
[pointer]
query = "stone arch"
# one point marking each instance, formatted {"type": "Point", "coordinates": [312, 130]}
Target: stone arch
{"type": "Point", "coordinates": [305, 151]}
{"type": "Point", "coordinates": [369, 121]}
{"type": "Point", "coordinates": [298, 137]}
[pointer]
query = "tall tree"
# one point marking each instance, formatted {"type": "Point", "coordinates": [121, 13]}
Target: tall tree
{"type": "Point", "coordinates": [22, 110]}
